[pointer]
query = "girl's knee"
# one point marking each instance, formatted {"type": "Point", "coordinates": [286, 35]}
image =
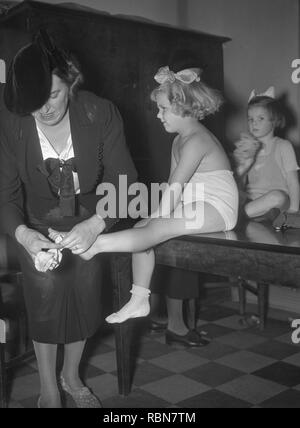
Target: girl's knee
{"type": "Point", "coordinates": [246, 210]}
{"type": "Point", "coordinates": [250, 209]}
{"type": "Point", "coordinates": [279, 199]}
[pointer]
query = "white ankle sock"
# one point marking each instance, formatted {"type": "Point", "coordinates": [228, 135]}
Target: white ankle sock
{"type": "Point", "coordinates": [137, 290]}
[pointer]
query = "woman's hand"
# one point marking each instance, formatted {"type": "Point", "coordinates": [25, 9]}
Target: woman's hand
{"type": "Point", "coordinates": [83, 235]}
{"type": "Point", "coordinates": [47, 260]}
{"type": "Point", "coordinates": [33, 241]}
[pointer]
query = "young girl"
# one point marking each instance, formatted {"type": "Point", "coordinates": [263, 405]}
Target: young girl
{"type": "Point", "coordinates": [197, 157]}
{"type": "Point", "coordinates": [267, 164]}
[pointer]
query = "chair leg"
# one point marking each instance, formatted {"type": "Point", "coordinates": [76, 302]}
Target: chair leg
{"type": "Point", "coordinates": [242, 297]}
{"type": "Point", "coordinates": [3, 400]}
{"type": "Point", "coordinates": [23, 334]}
{"type": "Point", "coordinates": [191, 313]}
{"type": "Point", "coordinates": [263, 301]}
{"type": "Point", "coordinates": [121, 276]}
{"type": "Point", "coordinates": [22, 322]}
{"type": "Point", "coordinates": [122, 333]}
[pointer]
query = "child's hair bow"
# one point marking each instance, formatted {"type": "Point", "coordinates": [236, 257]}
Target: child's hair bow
{"type": "Point", "coordinates": [187, 76]}
{"type": "Point", "coordinates": [270, 92]}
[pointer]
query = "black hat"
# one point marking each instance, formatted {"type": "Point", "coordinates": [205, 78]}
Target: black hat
{"type": "Point", "coordinates": [29, 79]}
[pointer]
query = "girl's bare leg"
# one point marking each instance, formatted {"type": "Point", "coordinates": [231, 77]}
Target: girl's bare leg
{"type": "Point", "coordinates": [141, 239]}
{"type": "Point", "coordinates": [135, 240]}
{"type": "Point", "coordinates": [138, 306]}
{"type": "Point", "coordinates": [260, 206]}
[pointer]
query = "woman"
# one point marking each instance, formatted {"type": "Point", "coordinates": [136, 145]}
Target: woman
{"type": "Point", "coordinates": [57, 144]}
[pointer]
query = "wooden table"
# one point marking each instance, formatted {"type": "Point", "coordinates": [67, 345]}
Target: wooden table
{"type": "Point", "coordinates": [253, 251]}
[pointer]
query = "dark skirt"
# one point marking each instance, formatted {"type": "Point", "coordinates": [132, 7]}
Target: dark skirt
{"type": "Point", "coordinates": [175, 283]}
{"type": "Point", "coordinates": [63, 305]}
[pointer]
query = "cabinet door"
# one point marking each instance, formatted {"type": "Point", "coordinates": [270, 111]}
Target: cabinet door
{"type": "Point", "coordinates": [106, 49]}
{"type": "Point", "coordinates": [119, 58]}
{"type": "Point", "coordinates": [13, 35]}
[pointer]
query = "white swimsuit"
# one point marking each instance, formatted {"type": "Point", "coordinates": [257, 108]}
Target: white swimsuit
{"type": "Point", "coordinates": [217, 188]}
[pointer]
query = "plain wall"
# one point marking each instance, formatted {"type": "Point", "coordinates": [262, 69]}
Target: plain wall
{"type": "Point", "coordinates": [265, 40]}
{"type": "Point", "coordinates": [164, 11]}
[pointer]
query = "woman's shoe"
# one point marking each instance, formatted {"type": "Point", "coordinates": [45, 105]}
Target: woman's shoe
{"type": "Point", "coordinates": [191, 339]}
{"type": "Point", "coordinates": [157, 327]}
{"type": "Point", "coordinates": [83, 397]}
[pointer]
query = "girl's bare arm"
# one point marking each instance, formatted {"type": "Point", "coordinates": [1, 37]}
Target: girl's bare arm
{"type": "Point", "coordinates": [294, 190]}
{"type": "Point", "coordinates": [191, 154]}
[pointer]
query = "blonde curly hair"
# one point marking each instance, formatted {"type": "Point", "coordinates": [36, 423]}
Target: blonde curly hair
{"type": "Point", "coordinates": [194, 99]}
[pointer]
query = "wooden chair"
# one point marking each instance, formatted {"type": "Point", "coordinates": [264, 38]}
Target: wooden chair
{"type": "Point", "coordinates": [14, 347]}
{"type": "Point", "coordinates": [259, 289]}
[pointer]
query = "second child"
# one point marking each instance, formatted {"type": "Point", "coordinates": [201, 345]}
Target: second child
{"type": "Point", "coordinates": [266, 164]}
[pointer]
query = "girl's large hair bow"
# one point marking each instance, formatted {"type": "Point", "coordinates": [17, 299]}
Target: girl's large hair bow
{"type": "Point", "coordinates": [270, 92]}
{"type": "Point", "coordinates": [187, 76]}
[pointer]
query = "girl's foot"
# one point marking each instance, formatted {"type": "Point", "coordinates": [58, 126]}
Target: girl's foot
{"type": "Point", "coordinates": [138, 306]}
{"type": "Point", "coordinates": [93, 250]}
{"type": "Point", "coordinates": [90, 253]}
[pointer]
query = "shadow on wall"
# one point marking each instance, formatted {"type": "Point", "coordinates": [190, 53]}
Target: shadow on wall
{"type": "Point", "coordinates": [291, 122]}
{"type": "Point", "coordinates": [289, 114]}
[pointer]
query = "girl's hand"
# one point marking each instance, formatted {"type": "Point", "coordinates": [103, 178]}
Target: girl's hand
{"type": "Point", "coordinates": [245, 153]}
{"type": "Point", "coordinates": [243, 167]}
{"type": "Point", "coordinates": [243, 161]}
{"type": "Point", "coordinates": [83, 235]}
{"type": "Point", "coordinates": [248, 146]}
{"type": "Point", "coordinates": [33, 241]}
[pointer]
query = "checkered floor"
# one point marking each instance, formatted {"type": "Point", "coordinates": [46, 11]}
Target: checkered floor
{"type": "Point", "coordinates": [241, 368]}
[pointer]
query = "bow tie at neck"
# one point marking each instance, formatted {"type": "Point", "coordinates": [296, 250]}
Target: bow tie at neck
{"type": "Point", "coordinates": [62, 182]}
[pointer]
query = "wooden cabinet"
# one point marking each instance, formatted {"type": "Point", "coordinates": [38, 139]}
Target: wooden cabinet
{"type": "Point", "coordinates": [119, 57]}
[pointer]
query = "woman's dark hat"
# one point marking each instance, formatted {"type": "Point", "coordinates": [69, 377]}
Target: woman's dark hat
{"type": "Point", "coordinates": [29, 79]}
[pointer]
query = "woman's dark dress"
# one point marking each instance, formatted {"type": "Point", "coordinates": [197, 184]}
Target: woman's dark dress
{"type": "Point", "coordinates": [64, 305]}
